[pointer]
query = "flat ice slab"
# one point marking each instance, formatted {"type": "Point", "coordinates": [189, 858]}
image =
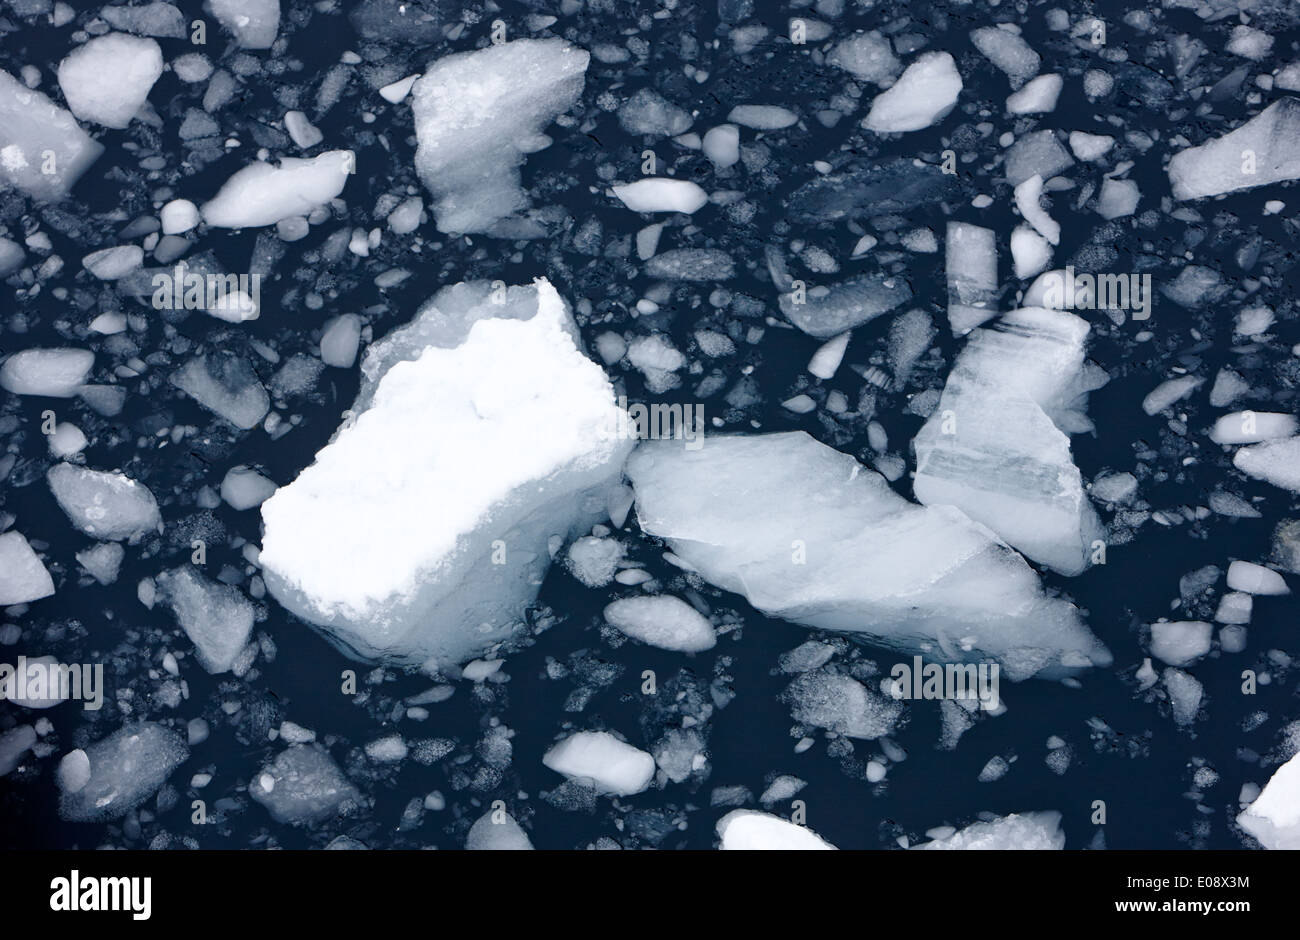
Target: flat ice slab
{"type": "Point", "coordinates": [1264, 150]}
{"type": "Point", "coordinates": [995, 447]}
{"type": "Point", "coordinates": [612, 765]}
{"type": "Point", "coordinates": [101, 503]}
{"type": "Point", "coordinates": [479, 114]}
{"type": "Point", "coordinates": [126, 768]}
{"type": "Point", "coordinates": [422, 530]}
{"type": "Point", "coordinates": [1274, 818]}
{"type": "Point", "coordinates": [750, 830]}
{"type": "Point", "coordinates": [808, 534]}
{"type": "Point", "coordinates": [262, 194]}
{"type": "Point", "coordinates": [32, 127]}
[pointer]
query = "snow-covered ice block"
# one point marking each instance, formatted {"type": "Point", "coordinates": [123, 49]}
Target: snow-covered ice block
{"type": "Point", "coordinates": [750, 830]}
{"type": "Point", "coordinates": [23, 577]}
{"type": "Point", "coordinates": [484, 421]}
{"type": "Point", "coordinates": [53, 373]}
{"type": "Point", "coordinates": [612, 765]}
{"type": "Point", "coordinates": [663, 621]}
{"type": "Point", "coordinates": [1185, 695]}
{"type": "Point", "coordinates": [1274, 818]}
{"type": "Point", "coordinates": [103, 504]}
{"type": "Point", "coordinates": [922, 95]}
{"type": "Point", "coordinates": [255, 23]}
{"type": "Point", "coordinates": [108, 79]}
{"type": "Point", "coordinates": [1264, 150]}
{"type": "Point", "coordinates": [1276, 462]}
{"type": "Point", "coordinates": [217, 618]}
{"type": "Point", "coordinates": [971, 266]}
{"type": "Point", "coordinates": [1037, 97]}
{"type": "Point", "coordinates": [843, 705]}
{"type": "Point", "coordinates": [996, 447]}
{"type": "Point", "coordinates": [1008, 51]}
{"type": "Point", "coordinates": [869, 57]}
{"type": "Point", "coordinates": [102, 560]}
{"type": "Point", "coordinates": [32, 127]}
{"type": "Point", "coordinates": [303, 786]}
{"type": "Point", "coordinates": [147, 19]}
{"type": "Point", "coordinates": [226, 385]}
{"type": "Point", "coordinates": [497, 832]}
{"type": "Point", "coordinates": [808, 534]}
{"type": "Point", "coordinates": [262, 194]}
{"type": "Point", "coordinates": [126, 768]}
{"type": "Point", "coordinates": [654, 194]}
{"type": "Point", "coordinates": [244, 488]}
{"type": "Point", "coordinates": [478, 114]}
{"type": "Point", "coordinates": [1027, 831]}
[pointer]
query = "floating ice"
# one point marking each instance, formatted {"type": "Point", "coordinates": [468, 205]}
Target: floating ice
{"type": "Point", "coordinates": [692, 264]}
{"type": "Point", "coordinates": [749, 830]}
{"type": "Point", "coordinates": [1038, 153]}
{"type": "Point", "coordinates": [261, 194]}
{"type": "Point", "coordinates": [108, 79]}
{"type": "Point", "coordinates": [762, 117]}
{"type": "Point", "coordinates": [996, 446]}
{"type": "Point", "coordinates": [74, 771]}
{"type": "Point", "coordinates": [53, 373]}
{"type": "Point", "coordinates": [303, 786]}
{"type": "Point", "coordinates": [497, 831]}
{"type": "Point", "coordinates": [1256, 579]}
{"type": "Point", "coordinates": [809, 535]}
{"type": "Point", "coordinates": [1276, 462]}
{"type": "Point", "coordinates": [226, 385]}
{"type": "Point", "coordinates": [114, 263]}
{"type": "Point", "coordinates": [534, 424]}
{"type": "Point", "coordinates": [254, 22]}
{"type": "Point", "coordinates": [43, 151]}
{"type": "Point", "coordinates": [1252, 427]}
{"type": "Point", "coordinates": [339, 341]}
{"type": "Point", "coordinates": [843, 705]}
{"type": "Point", "coordinates": [971, 261]}
{"type": "Point", "coordinates": [1037, 97]}
{"type": "Point", "coordinates": [1028, 194]}
{"type": "Point", "coordinates": [872, 188]}
{"type": "Point", "coordinates": [654, 194]}
{"type": "Point", "coordinates": [1180, 643]}
{"type": "Point", "coordinates": [23, 577]}
{"type": "Point", "coordinates": [14, 743]}
{"type": "Point", "coordinates": [648, 113]}
{"type": "Point", "coordinates": [868, 56]}
{"type": "Point", "coordinates": [1258, 153]}
{"type": "Point", "coordinates": [824, 311]}
{"type": "Point", "coordinates": [478, 114]}
{"type": "Point", "coordinates": [721, 145]}
{"type": "Point", "coordinates": [613, 766]}
{"type": "Point", "coordinates": [243, 488]}
{"type": "Point", "coordinates": [1008, 51]}
{"type": "Point", "coordinates": [1027, 831]}
{"type": "Point", "coordinates": [663, 621]}
{"type": "Point", "coordinates": [1274, 817]}
{"type": "Point", "coordinates": [924, 93]}
{"type": "Point", "coordinates": [1170, 392]}
{"type": "Point", "coordinates": [216, 617]}
{"type": "Point", "coordinates": [1185, 694]}
{"type": "Point", "coordinates": [103, 504]}
{"type": "Point", "coordinates": [126, 768]}
{"type": "Point", "coordinates": [1030, 252]}
{"type": "Point", "coordinates": [102, 561]}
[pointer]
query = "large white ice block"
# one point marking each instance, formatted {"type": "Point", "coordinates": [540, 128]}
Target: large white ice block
{"type": "Point", "coordinates": [43, 151]}
{"type": "Point", "coordinates": [1264, 150]}
{"type": "Point", "coordinates": [1274, 817]}
{"type": "Point", "coordinates": [422, 529]}
{"type": "Point", "coordinates": [808, 534]}
{"type": "Point", "coordinates": [997, 447]}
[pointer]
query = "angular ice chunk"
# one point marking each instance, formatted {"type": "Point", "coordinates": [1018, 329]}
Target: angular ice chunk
{"type": "Point", "coordinates": [216, 617]}
{"type": "Point", "coordinates": [971, 261]}
{"type": "Point", "coordinates": [261, 194]}
{"type": "Point", "coordinates": [1274, 817]}
{"type": "Point", "coordinates": [1256, 579]}
{"type": "Point", "coordinates": [743, 509]}
{"type": "Point", "coordinates": [148, 19]}
{"type": "Point", "coordinates": [1028, 831]}
{"type": "Point", "coordinates": [994, 447]}
{"type": "Point", "coordinates": [750, 830]}
{"type": "Point", "coordinates": [32, 127]}
{"type": "Point", "coordinates": [478, 114]}
{"type": "Point", "coordinates": [1008, 51]}
{"type": "Point", "coordinates": [868, 56]}
{"type": "Point", "coordinates": [484, 420]}
{"type": "Point", "coordinates": [653, 194]}
{"type": "Point", "coordinates": [663, 621]}
{"type": "Point", "coordinates": [126, 768]}
{"type": "Point", "coordinates": [497, 832]}
{"type": "Point", "coordinates": [226, 385]}
{"type": "Point", "coordinates": [612, 765]}
{"type": "Point", "coordinates": [924, 93]}
{"type": "Point", "coordinates": [828, 310]}
{"type": "Point", "coordinates": [102, 561]}
{"type": "Point", "coordinates": [1277, 462]}
{"type": "Point", "coordinates": [53, 373]}
{"type": "Point", "coordinates": [1037, 97]}
{"type": "Point", "coordinates": [1185, 694]}
{"type": "Point", "coordinates": [23, 577]}
{"type": "Point", "coordinates": [1262, 151]}
{"type": "Point", "coordinates": [649, 113]}
{"type": "Point", "coordinates": [1180, 643]}
{"type": "Point", "coordinates": [339, 341]}
{"type": "Point", "coordinates": [842, 704]}
{"type": "Point", "coordinates": [243, 488]}
{"type": "Point", "coordinates": [1252, 427]}
{"type": "Point", "coordinates": [108, 79]}
{"type": "Point", "coordinates": [872, 188]}
{"type": "Point", "coordinates": [254, 22]}
{"type": "Point", "coordinates": [303, 786]}
{"type": "Point", "coordinates": [103, 504]}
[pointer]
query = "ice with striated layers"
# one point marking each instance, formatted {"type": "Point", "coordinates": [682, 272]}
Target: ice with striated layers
{"type": "Point", "coordinates": [808, 534]}
{"type": "Point", "coordinates": [998, 446]}
{"type": "Point", "coordinates": [424, 528]}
